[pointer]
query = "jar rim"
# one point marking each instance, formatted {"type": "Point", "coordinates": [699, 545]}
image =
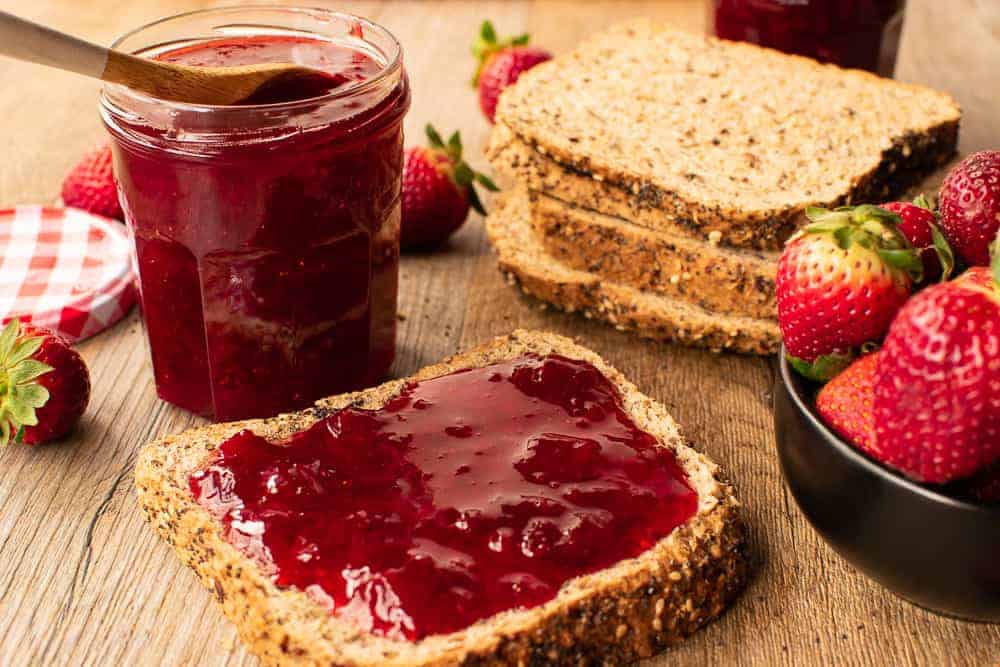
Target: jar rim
{"type": "Point", "coordinates": [392, 66]}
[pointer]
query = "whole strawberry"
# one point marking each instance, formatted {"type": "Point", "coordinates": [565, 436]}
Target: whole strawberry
{"type": "Point", "coordinates": [969, 202]}
{"type": "Point", "coordinates": [500, 65]}
{"type": "Point", "coordinates": [937, 385]}
{"type": "Point", "coordinates": [846, 404]}
{"type": "Point", "coordinates": [90, 185]}
{"type": "Point", "coordinates": [841, 279]}
{"type": "Point", "coordinates": [919, 224]}
{"type": "Point", "coordinates": [438, 190]}
{"type": "Point", "coordinates": [44, 385]}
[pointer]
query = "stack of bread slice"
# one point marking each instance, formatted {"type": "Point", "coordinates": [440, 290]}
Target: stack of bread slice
{"type": "Point", "coordinates": [657, 174]}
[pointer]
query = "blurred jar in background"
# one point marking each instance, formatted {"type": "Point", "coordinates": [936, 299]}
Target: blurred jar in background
{"type": "Point", "coordinates": [861, 34]}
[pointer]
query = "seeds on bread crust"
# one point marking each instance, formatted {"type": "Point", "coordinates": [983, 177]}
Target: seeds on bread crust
{"type": "Point", "coordinates": [581, 625]}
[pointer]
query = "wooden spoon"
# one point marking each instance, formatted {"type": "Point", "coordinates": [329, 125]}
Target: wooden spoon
{"type": "Point", "coordinates": [29, 41]}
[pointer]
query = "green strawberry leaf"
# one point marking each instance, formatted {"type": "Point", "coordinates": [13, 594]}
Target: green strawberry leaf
{"type": "Point", "coordinates": [872, 212]}
{"type": "Point", "coordinates": [921, 201]}
{"type": "Point", "coordinates": [486, 182]}
{"type": "Point", "coordinates": [903, 259]}
{"type": "Point", "coordinates": [454, 147]}
{"type": "Point", "coordinates": [488, 33]}
{"type": "Point", "coordinates": [26, 371]}
{"type": "Point", "coordinates": [34, 395]}
{"type": "Point", "coordinates": [486, 45]}
{"type": "Point", "coordinates": [20, 395]}
{"type": "Point", "coordinates": [817, 213]}
{"type": "Point", "coordinates": [463, 174]}
{"type": "Point", "coordinates": [25, 348]}
{"type": "Point", "coordinates": [520, 40]}
{"type": "Point", "coordinates": [475, 202]}
{"type": "Point", "coordinates": [823, 227]}
{"type": "Point", "coordinates": [8, 337]}
{"type": "Point", "coordinates": [843, 236]}
{"type": "Point", "coordinates": [433, 137]}
{"type": "Point", "coordinates": [825, 368]}
{"type": "Point", "coordinates": [20, 412]}
{"type": "Point", "coordinates": [944, 252]}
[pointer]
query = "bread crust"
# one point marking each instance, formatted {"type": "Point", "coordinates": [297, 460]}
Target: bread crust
{"type": "Point", "coordinates": [723, 280]}
{"type": "Point", "coordinates": [526, 264]}
{"type": "Point", "coordinates": [633, 609]}
{"type": "Point", "coordinates": [766, 135]}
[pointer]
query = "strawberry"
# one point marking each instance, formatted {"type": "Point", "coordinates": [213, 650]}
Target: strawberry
{"type": "Point", "coordinates": [500, 65]}
{"type": "Point", "coordinates": [438, 189]}
{"type": "Point", "coordinates": [937, 385]}
{"type": "Point", "coordinates": [846, 403]}
{"type": "Point", "coordinates": [841, 279]}
{"type": "Point", "coordinates": [919, 224]}
{"type": "Point", "coordinates": [44, 385]}
{"type": "Point", "coordinates": [970, 206]}
{"type": "Point", "coordinates": [90, 185]}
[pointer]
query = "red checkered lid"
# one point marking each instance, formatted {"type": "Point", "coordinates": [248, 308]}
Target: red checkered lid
{"type": "Point", "coordinates": [64, 269]}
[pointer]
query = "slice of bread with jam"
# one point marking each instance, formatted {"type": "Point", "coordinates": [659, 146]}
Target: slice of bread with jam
{"type": "Point", "coordinates": [631, 608]}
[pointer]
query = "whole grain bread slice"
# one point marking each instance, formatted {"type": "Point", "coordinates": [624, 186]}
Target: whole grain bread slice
{"type": "Point", "coordinates": [630, 610]}
{"type": "Point", "coordinates": [719, 279]}
{"type": "Point", "coordinates": [525, 262]}
{"type": "Point", "coordinates": [687, 132]}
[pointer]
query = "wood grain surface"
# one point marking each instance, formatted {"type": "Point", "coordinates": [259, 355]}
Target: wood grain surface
{"type": "Point", "coordinates": [84, 582]}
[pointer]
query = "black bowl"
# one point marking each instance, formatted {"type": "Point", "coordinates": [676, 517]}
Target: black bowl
{"type": "Point", "coordinates": [938, 551]}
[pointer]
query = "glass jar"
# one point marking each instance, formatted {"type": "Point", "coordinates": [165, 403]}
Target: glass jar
{"type": "Point", "coordinates": [266, 236]}
{"type": "Point", "coordinates": [862, 34]}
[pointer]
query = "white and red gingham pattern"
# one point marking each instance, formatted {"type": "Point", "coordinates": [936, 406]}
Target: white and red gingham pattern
{"type": "Point", "coordinates": [64, 269]}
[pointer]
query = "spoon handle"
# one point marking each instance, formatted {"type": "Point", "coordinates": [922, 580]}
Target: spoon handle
{"type": "Point", "coordinates": [29, 41]}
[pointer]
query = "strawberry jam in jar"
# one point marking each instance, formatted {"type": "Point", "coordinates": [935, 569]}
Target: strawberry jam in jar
{"type": "Point", "coordinates": [860, 34]}
{"type": "Point", "coordinates": [266, 233]}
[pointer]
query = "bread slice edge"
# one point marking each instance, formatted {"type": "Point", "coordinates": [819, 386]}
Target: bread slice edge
{"type": "Point", "coordinates": [632, 609]}
{"type": "Point", "coordinates": [719, 279]}
{"type": "Point", "coordinates": [585, 183]}
{"type": "Point", "coordinates": [524, 262]}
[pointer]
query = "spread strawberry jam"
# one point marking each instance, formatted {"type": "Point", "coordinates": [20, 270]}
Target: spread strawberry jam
{"type": "Point", "coordinates": [466, 495]}
{"type": "Point", "coordinates": [267, 237]}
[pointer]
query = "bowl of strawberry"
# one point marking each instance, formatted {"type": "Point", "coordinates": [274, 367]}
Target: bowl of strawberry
{"type": "Point", "coordinates": [887, 404]}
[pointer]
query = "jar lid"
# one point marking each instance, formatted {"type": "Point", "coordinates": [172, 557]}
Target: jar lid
{"type": "Point", "coordinates": [64, 269]}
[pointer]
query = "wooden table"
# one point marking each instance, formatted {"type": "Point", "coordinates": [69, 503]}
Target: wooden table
{"type": "Point", "coordinates": [83, 581]}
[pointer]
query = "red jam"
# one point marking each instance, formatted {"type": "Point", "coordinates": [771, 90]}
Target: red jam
{"type": "Point", "coordinates": [267, 238]}
{"type": "Point", "coordinates": [468, 494]}
{"type": "Point", "coordinates": [860, 34]}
